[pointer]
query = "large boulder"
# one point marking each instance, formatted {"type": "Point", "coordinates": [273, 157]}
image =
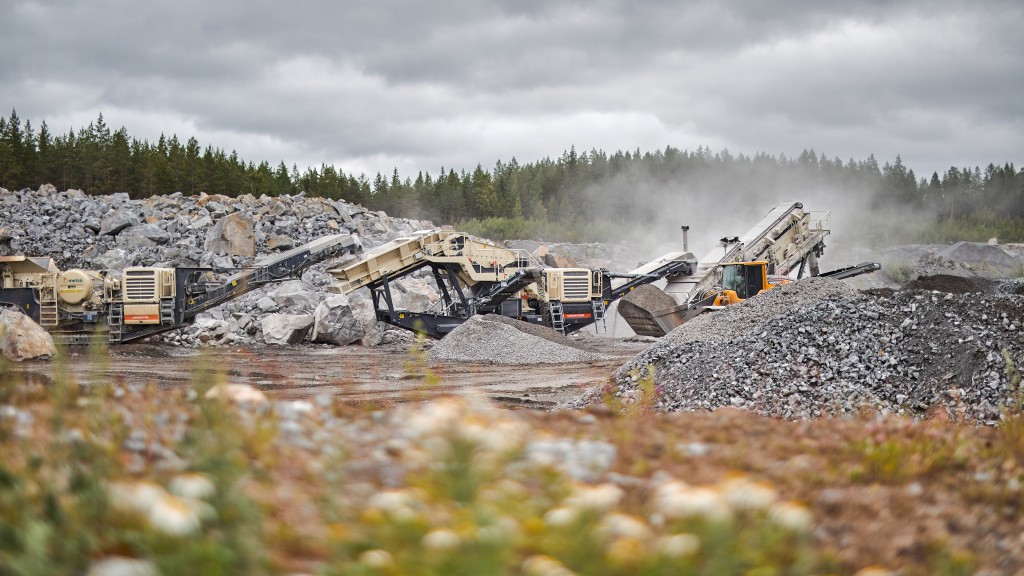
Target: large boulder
{"type": "Point", "coordinates": [286, 328]}
{"type": "Point", "coordinates": [113, 259]}
{"type": "Point", "coordinates": [23, 339]}
{"type": "Point", "coordinates": [294, 295]}
{"type": "Point", "coordinates": [144, 235]}
{"type": "Point", "coordinates": [415, 294]}
{"type": "Point", "coordinates": [335, 323]}
{"type": "Point", "coordinates": [117, 220]}
{"type": "Point", "coordinates": [232, 234]}
{"type": "Point", "coordinates": [366, 316]}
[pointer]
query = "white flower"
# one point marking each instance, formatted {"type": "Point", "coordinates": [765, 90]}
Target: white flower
{"type": "Point", "coordinates": [433, 418]}
{"type": "Point", "coordinates": [376, 558]}
{"type": "Point", "coordinates": [540, 565]}
{"type": "Point", "coordinates": [441, 539]}
{"type": "Point", "coordinates": [398, 504]}
{"type": "Point", "coordinates": [623, 526]}
{"type": "Point", "coordinates": [792, 516]}
{"type": "Point", "coordinates": [123, 566]}
{"type": "Point", "coordinates": [678, 545]}
{"type": "Point", "coordinates": [134, 497]}
{"type": "Point", "coordinates": [677, 500]}
{"type": "Point", "coordinates": [174, 516]}
{"type": "Point", "coordinates": [560, 517]}
{"type": "Point", "coordinates": [744, 494]}
{"type": "Point", "coordinates": [600, 498]}
{"type": "Point", "coordinates": [192, 485]}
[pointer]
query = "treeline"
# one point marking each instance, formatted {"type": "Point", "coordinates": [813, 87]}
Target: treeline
{"type": "Point", "coordinates": [575, 188]}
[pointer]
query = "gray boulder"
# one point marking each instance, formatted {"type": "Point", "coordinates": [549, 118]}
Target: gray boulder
{"type": "Point", "coordinates": [117, 220]}
{"type": "Point", "coordinates": [372, 330]}
{"type": "Point", "coordinates": [286, 328]}
{"type": "Point", "coordinates": [335, 323]}
{"type": "Point", "coordinates": [232, 234]}
{"type": "Point", "coordinates": [294, 295]}
{"type": "Point", "coordinates": [23, 339]}
{"type": "Point", "coordinates": [144, 235]}
{"type": "Point", "coordinates": [113, 259]}
{"type": "Point", "coordinates": [415, 294]}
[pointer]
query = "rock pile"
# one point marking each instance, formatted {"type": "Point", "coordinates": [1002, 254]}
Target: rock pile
{"type": "Point", "coordinates": [115, 231]}
{"type": "Point", "coordinates": [495, 339]}
{"type": "Point", "coordinates": [815, 348]}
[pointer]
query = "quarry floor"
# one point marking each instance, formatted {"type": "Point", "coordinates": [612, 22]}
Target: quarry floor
{"type": "Point", "coordinates": [380, 375]}
{"type": "Point", "coordinates": [919, 497]}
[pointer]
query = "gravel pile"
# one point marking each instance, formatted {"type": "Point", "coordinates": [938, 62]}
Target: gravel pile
{"type": "Point", "coordinates": [495, 339]}
{"type": "Point", "coordinates": [757, 313]}
{"type": "Point", "coordinates": [814, 349]}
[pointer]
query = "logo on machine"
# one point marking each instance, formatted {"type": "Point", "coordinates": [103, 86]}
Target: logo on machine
{"type": "Point", "coordinates": [577, 315]}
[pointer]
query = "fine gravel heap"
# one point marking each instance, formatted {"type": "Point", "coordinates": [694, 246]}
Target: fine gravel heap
{"type": "Point", "coordinates": [817, 348]}
{"type": "Point", "coordinates": [495, 339]}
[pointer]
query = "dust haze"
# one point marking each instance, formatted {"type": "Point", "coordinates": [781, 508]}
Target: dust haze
{"type": "Point", "coordinates": [724, 202]}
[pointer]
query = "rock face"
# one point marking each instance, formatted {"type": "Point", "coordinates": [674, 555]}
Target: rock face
{"type": "Point", "coordinates": [286, 328]}
{"type": "Point", "coordinates": [335, 323]}
{"type": "Point", "coordinates": [23, 339]}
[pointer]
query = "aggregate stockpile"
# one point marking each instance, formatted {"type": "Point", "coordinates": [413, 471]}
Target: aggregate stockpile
{"type": "Point", "coordinates": [819, 348]}
{"type": "Point", "coordinates": [497, 339]}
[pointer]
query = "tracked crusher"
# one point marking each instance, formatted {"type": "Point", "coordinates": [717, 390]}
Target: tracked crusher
{"type": "Point", "coordinates": [477, 277]}
{"type": "Point", "coordinates": [118, 306]}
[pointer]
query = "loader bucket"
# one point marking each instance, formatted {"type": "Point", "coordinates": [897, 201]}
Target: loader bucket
{"type": "Point", "coordinates": [651, 312]}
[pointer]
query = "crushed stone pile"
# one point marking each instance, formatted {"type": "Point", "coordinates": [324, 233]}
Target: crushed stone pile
{"type": "Point", "coordinates": [814, 349]}
{"type": "Point", "coordinates": [495, 339]}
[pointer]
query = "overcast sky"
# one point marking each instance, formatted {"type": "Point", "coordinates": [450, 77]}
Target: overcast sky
{"type": "Point", "coordinates": [368, 86]}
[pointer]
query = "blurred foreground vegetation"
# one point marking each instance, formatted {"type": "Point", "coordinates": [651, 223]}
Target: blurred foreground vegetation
{"type": "Point", "coordinates": [176, 481]}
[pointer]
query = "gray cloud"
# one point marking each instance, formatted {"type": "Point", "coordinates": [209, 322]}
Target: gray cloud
{"type": "Point", "coordinates": [370, 86]}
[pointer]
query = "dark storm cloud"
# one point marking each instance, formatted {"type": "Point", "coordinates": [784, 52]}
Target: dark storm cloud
{"type": "Point", "coordinates": [370, 86]}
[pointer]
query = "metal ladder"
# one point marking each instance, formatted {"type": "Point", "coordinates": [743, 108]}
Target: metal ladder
{"type": "Point", "coordinates": [600, 326]}
{"type": "Point", "coordinates": [48, 315]}
{"type": "Point", "coordinates": [166, 311]}
{"type": "Point", "coordinates": [115, 322]}
{"type": "Point", "coordinates": [557, 318]}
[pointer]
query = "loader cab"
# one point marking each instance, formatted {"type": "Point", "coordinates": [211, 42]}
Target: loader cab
{"type": "Point", "coordinates": [746, 279]}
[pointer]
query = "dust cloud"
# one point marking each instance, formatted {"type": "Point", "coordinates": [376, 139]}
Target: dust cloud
{"type": "Point", "coordinates": [728, 199]}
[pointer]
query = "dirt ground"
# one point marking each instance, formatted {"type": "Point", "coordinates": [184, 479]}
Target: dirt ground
{"type": "Point", "coordinates": [353, 373]}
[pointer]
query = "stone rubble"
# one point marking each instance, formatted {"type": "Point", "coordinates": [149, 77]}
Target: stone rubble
{"type": "Point", "coordinates": [817, 348]}
{"type": "Point", "coordinates": [115, 231]}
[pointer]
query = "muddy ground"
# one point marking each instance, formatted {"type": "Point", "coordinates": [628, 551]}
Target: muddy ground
{"type": "Point", "coordinates": [353, 373]}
